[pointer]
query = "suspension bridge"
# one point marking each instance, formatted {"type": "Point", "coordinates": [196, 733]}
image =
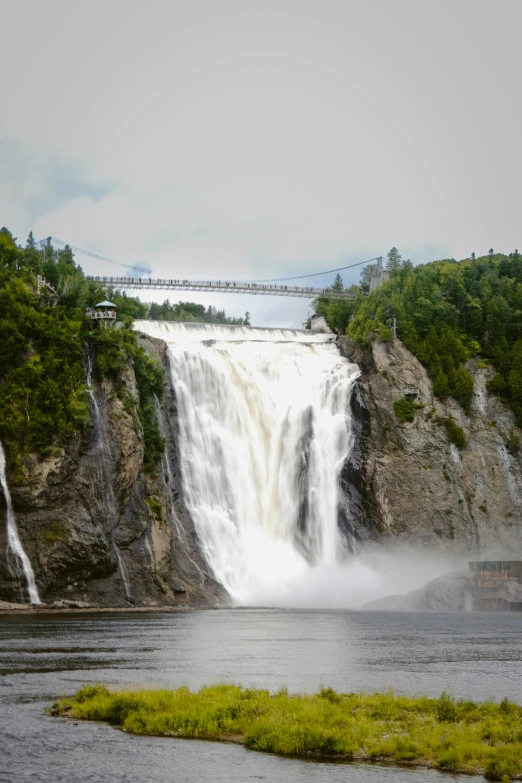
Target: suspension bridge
{"type": "Point", "coordinates": [284, 286]}
{"type": "Point", "coordinates": [222, 286]}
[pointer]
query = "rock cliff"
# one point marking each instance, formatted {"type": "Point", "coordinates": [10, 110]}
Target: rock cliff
{"type": "Point", "coordinates": [407, 479]}
{"type": "Point", "coordinates": [97, 528]}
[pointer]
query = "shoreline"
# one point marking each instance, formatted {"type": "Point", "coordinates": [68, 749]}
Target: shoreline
{"type": "Point", "coordinates": [454, 736]}
{"type": "Point", "coordinates": [8, 608]}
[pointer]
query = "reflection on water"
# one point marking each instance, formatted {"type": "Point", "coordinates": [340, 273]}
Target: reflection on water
{"type": "Point", "coordinates": [472, 655]}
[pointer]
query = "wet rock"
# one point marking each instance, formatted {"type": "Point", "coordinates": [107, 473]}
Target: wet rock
{"type": "Point", "coordinates": [405, 479]}
{"type": "Point", "coordinates": [101, 532]}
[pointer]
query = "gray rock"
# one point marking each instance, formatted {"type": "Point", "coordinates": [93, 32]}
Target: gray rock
{"type": "Point", "coordinates": [408, 481]}
{"type": "Point", "coordinates": [450, 592]}
{"type": "Point", "coordinates": [89, 528]}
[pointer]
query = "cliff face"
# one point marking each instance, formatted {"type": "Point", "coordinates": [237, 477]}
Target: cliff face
{"type": "Point", "coordinates": [407, 479]}
{"type": "Point", "coordinates": [99, 530]}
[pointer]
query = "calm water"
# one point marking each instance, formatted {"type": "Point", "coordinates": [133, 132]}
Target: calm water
{"type": "Point", "coordinates": [42, 657]}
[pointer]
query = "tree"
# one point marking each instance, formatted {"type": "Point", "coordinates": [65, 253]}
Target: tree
{"type": "Point", "coordinates": [337, 284]}
{"type": "Point", "coordinates": [441, 386]}
{"type": "Point", "coordinates": [247, 319]}
{"type": "Point", "coordinates": [393, 264]}
{"type": "Point", "coordinates": [463, 388]}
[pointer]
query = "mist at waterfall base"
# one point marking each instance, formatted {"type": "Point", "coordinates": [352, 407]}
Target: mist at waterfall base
{"type": "Point", "coordinates": [264, 431]}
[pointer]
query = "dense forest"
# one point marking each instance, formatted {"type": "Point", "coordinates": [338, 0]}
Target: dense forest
{"type": "Point", "coordinates": [445, 312]}
{"type": "Point", "coordinates": [44, 342]}
{"type": "Point", "coordinates": [190, 311]}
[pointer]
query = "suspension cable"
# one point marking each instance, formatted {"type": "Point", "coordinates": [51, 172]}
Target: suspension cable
{"type": "Point", "coordinates": [147, 270]}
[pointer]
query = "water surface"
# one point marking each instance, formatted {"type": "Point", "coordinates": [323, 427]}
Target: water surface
{"type": "Point", "coordinates": [473, 655]}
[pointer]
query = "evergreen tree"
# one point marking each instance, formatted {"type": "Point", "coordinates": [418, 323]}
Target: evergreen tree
{"type": "Point", "coordinates": [337, 284]}
{"type": "Point", "coordinates": [393, 264]}
{"type": "Point", "coordinates": [441, 387]}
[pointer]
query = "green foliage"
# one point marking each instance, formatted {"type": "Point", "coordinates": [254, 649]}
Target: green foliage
{"type": "Point", "coordinates": [155, 507]}
{"type": "Point", "coordinates": [385, 334]}
{"type": "Point", "coordinates": [393, 261]}
{"type": "Point", "coordinates": [457, 736]}
{"type": "Point", "coordinates": [446, 313]}
{"type": "Point", "coordinates": [404, 409]}
{"type": "Point", "coordinates": [43, 400]}
{"type": "Point", "coordinates": [113, 349]}
{"type": "Point", "coordinates": [455, 433]}
{"type": "Point", "coordinates": [190, 311]}
{"type": "Point", "coordinates": [446, 709]}
{"type": "Point", "coordinates": [42, 390]}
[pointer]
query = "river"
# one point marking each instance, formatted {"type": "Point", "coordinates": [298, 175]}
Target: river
{"type": "Point", "coordinates": [43, 656]}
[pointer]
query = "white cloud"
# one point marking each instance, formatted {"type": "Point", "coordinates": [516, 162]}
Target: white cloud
{"type": "Point", "coordinates": [261, 139]}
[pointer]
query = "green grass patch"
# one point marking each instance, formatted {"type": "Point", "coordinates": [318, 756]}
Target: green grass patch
{"type": "Point", "coordinates": [458, 736]}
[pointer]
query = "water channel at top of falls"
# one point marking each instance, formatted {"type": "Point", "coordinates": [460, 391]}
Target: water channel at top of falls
{"type": "Point", "coordinates": [265, 429]}
{"type": "Point", "coordinates": [473, 655]}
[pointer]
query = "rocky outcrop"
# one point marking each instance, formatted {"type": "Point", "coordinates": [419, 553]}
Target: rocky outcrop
{"type": "Point", "coordinates": [447, 593]}
{"type": "Point", "coordinates": [97, 528]}
{"type": "Point", "coordinates": [407, 479]}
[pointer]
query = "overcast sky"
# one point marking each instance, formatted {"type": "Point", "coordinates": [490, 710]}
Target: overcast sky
{"type": "Point", "coordinates": [239, 139]}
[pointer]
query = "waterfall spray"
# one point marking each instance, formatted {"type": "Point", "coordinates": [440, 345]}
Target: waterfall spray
{"type": "Point", "coordinates": [15, 549]}
{"type": "Point", "coordinates": [264, 433]}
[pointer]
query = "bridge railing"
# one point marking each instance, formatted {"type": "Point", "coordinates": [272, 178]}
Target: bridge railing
{"type": "Point", "coordinates": [223, 286]}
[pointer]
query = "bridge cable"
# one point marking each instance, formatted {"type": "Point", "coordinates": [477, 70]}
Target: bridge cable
{"type": "Point", "coordinates": [94, 255]}
{"type": "Point", "coordinates": [316, 274]}
{"type": "Point", "coordinates": [148, 271]}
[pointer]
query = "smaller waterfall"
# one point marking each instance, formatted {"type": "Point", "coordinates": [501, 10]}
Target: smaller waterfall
{"type": "Point", "coordinates": [101, 482]}
{"type": "Point", "coordinates": [14, 545]}
{"type": "Point", "coordinates": [123, 574]}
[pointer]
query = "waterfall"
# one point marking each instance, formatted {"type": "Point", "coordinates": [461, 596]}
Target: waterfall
{"type": "Point", "coordinates": [101, 480]}
{"type": "Point", "coordinates": [265, 430]}
{"type": "Point", "coordinates": [15, 549]}
{"type": "Point", "coordinates": [123, 574]}
{"type": "Point", "coordinates": [182, 537]}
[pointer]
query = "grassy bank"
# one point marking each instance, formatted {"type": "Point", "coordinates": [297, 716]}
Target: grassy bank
{"type": "Point", "coordinates": [459, 736]}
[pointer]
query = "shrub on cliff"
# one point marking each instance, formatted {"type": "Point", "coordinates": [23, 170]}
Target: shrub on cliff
{"type": "Point", "coordinates": [454, 431]}
{"type": "Point", "coordinates": [404, 409]}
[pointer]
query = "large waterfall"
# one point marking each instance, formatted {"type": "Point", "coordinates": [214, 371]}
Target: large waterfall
{"type": "Point", "coordinates": [17, 560]}
{"type": "Point", "coordinates": [264, 432]}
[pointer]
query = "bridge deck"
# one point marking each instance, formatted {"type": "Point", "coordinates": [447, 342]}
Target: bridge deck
{"type": "Point", "coordinates": [222, 286]}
